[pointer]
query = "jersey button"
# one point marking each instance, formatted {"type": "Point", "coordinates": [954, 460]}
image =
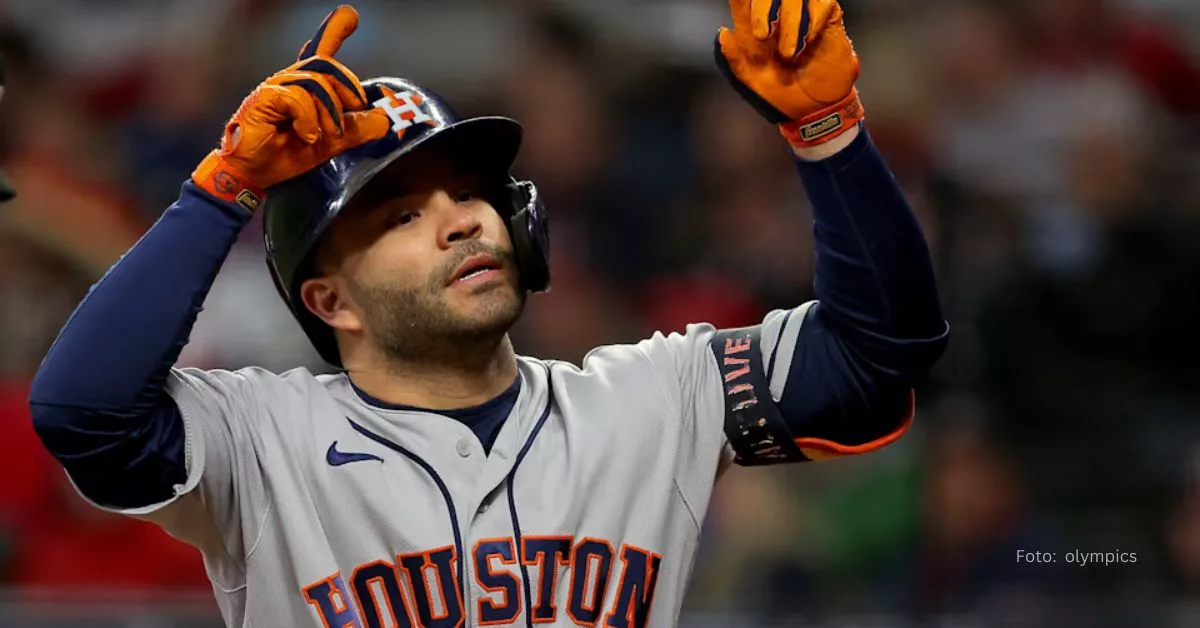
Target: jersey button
{"type": "Point", "coordinates": [463, 446]}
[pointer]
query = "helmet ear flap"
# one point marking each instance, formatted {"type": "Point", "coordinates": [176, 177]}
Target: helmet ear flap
{"type": "Point", "coordinates": [529, 228]}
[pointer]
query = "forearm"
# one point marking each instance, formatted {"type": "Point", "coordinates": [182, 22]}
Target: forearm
{"type": "Point", "coordinates": [853, 358]}
{"type": "Point", "coordinates": [98, 400]}
{"type": "Point", "coordinates": [874, 274]}
{"type": "Point", "coordinates": [131, 326]}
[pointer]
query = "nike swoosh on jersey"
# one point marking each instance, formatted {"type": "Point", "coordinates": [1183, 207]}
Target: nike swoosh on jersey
{"type": "Point", "coordinates": [337, 458]}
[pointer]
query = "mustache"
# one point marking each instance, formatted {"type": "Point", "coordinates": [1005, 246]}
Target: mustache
{"type": "Point", "coordinates": [468, 249]}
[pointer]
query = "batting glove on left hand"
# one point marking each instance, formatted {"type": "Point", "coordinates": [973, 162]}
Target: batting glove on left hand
{"type": "Point", "coordinates": [793, 61]}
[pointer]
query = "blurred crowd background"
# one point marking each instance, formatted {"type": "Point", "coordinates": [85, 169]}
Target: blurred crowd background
{"type": "Point", "coordinates": [1049, 148]}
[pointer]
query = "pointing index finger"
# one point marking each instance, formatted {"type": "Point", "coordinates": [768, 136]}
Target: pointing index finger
{"type": "Point", "coordinates": [334, 30]}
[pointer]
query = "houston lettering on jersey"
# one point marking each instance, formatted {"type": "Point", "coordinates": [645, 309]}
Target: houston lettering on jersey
{"type": "Point", "coordinates": [421, 590]}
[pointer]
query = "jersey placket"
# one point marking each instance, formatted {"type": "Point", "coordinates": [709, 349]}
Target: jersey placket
{"type": "Point", "coordinates": [494, 517]}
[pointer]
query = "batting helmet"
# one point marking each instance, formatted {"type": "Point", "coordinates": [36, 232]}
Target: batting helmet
{"type": "Point", "coordinates": [299, 211]}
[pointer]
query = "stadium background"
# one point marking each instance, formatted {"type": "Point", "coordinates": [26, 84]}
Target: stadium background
{"type": "Point", "coordinates": [1048, 146]}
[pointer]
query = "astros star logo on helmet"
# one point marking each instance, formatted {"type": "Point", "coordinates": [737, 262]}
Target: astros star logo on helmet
{"type": "Point", "coordinates": [404, 108]}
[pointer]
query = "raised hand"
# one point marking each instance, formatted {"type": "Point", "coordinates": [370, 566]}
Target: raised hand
{"type": "Point", "coordinates": [793, 61]}
{"type": "Point", "coordinates": [294, 121]}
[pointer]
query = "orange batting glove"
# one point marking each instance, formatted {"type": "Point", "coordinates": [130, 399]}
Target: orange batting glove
{"type": "Point", "coordinates": [294, 121]}
{"type": "Point", "coordinates": [793, 61]}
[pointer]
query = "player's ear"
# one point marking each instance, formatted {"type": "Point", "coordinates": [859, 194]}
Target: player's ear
{"type": "Point", "coordinates": [329, 301]}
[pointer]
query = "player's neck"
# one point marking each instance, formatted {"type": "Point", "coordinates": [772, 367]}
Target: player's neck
{"type": "Point", "coordinates": [439, 386]}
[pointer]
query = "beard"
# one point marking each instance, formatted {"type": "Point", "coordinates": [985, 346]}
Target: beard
{"type": "Point", "coordinates": [420, 324]}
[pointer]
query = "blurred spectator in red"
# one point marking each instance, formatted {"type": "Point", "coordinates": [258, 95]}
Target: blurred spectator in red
{"type": "Point", "coordinates": [30, 477]}
{"type": "Point", "coordinates": [75, 547]}
{"type": "Point", "coordinates": [1081, 35]}
{"type": "Point", "coordinates": [66, 201]}
{"type": "Point", "coordinates": [63, 543]}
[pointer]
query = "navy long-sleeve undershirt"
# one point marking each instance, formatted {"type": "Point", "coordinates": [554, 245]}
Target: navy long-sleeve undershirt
{"type": "Point", "coordinates": [877, 327]}
{"type": "Point", "coordinates": [99, 401]}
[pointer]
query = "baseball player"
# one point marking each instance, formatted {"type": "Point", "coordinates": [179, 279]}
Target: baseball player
{"type": "Point", "coordinates": [438, 478]}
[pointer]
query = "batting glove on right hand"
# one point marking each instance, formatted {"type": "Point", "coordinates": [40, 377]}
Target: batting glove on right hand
{"type": "Point", "coordinates": [294, 121]}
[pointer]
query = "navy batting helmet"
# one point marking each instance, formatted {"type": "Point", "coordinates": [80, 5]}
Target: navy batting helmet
{"type": "Point", "coordinates": [299, 211]}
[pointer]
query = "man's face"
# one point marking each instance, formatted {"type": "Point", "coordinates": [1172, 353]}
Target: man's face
{"type": "Point", "coordinates": [423, 267]}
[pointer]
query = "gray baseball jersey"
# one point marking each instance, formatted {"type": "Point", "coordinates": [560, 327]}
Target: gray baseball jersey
{"type": "Point", "coordinates": [333, 512]}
